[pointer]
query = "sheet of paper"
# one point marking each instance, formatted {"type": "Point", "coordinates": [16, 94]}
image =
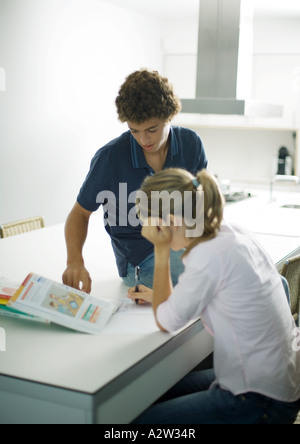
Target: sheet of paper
{"type": "Point", "coordinates": [131, 319]}
{"type": "Point", "coordinates": [128, 307]}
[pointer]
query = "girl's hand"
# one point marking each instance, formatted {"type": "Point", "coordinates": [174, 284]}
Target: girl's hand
{"type": "Point", "coordinates": [143, 296]}
{"type": "Point", "coordinates": [156, 233]}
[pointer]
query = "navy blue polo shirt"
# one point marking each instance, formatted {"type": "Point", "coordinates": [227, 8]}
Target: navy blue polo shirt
{"type": "Point", "coordinates": [117, 170]}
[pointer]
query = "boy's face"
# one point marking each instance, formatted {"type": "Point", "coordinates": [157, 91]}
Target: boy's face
{"type": "Point", "coordinates": [151, 135]}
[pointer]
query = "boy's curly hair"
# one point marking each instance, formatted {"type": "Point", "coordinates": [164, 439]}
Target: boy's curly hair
{"type": "Point", "coordinates": [146, 95]}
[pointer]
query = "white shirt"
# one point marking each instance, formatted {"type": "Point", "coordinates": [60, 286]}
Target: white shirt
{"type": "Point", "coordinates": [232, 284]}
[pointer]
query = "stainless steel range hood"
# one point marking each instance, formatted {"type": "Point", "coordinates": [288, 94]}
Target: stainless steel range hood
{"type": "Point", "coordinates": [224, 65]}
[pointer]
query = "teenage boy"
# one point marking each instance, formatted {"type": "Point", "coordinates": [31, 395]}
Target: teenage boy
{"type": "Point", "coordinates": [147, 103]}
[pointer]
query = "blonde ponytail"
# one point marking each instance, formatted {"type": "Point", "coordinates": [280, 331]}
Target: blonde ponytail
{"type": "Point", "coordinates": [213, 208]}
{"type": "Point", "coordinates": [180, 181]}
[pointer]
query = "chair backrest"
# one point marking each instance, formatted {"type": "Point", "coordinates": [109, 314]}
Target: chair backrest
{"type": "Point", "coordinates": [22, 226]}
{"type": "Point", "coordinates": [291, 271]}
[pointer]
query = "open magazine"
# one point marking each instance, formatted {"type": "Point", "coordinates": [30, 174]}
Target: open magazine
{"type": "Point", "coordinates": [7, 290]}
{"type": "Point", "coordinates": [61, 305]}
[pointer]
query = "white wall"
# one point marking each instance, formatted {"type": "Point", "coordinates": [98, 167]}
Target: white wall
{"type": "Point", "coordinates": [65, 61]}
{"type": "Point", "coordinates": [276, 56]}
{"type": "Point", "coordinates": [245, 155]}
{"type": "Point", "coordinates": [180, 47]}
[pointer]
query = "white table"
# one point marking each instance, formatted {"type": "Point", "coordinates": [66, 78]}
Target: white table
{"type": "Point", "coordinates": [53, 375]}
{"type": "Point", "coordinates": [50, 374]}
{"type": "Point", "coordinates": [277, 229]}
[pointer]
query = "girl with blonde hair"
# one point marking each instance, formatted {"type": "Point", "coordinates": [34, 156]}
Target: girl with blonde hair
{"type": "Point", "coordinates": [231, 283]}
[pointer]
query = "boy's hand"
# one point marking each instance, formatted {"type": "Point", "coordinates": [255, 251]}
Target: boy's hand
{"type": "Point", "coordinates": [76, 276]}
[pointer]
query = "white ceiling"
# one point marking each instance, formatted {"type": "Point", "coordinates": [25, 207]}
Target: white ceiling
{"type": "Point", "coordinates": [167, 9]}
{"type": "Point", "coordinates": [277, 8]}
{"type": "Point", "coordinates": [163, 9]}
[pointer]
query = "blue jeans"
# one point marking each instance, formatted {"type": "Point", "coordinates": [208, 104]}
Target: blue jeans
{"type": "Point", "coordinates": [147, 270]}
{"type": "Point", "coordinates": [192, 401]}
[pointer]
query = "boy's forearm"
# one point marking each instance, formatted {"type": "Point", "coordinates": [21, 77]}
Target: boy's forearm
{"type": "Point", "coordinates": [76, 276]}
{"type": "Point", "coordinates": [76, 230]}
{"type": "Point", "coordinates": [75, 240]}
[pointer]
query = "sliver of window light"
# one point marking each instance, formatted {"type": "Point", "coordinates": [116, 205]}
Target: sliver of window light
{"type": "Point", "coordinates": [2, 79]}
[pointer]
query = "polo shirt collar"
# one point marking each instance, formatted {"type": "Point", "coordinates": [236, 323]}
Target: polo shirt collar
{"type": "Point", "coordinates": [137, 155]}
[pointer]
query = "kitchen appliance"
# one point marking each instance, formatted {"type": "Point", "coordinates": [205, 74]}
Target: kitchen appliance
{"type": "Point", "coordinates": [236, 196]}
{"type": "Point", "coordinates": [224, 62]}
{"type": "Point", "coordinates": [285, 163]}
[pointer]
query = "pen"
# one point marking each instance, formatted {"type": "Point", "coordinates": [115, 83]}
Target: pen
{"type": "Point", "coordinates": [137, 282]}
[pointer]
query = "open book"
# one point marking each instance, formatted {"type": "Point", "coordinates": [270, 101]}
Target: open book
{"type": "Point", "coordinates": [61, 305]}
{"type": "Point", "coordinates": [7, 290]}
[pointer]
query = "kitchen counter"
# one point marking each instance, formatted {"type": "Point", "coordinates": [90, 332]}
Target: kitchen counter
{"type": "Point", "coordinates": [52, 375]}
{"type": "Point", "coordinates": [277, 228]}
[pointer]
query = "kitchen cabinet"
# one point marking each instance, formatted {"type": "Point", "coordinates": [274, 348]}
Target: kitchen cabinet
{"type": "Point", "coordinates": [244, 149]}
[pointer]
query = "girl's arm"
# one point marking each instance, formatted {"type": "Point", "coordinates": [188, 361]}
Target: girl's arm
{"type": "Point", "coordinates": [162, 285]}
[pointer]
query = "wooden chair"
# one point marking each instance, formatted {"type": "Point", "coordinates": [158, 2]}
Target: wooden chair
{"type": "Point", "coordinates": [291, 271]}
{"type": "Point", "coordinates": [22, 226]}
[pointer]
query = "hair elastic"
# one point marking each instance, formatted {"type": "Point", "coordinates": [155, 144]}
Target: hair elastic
{"type": "Point", "coordinates": [196, 183]}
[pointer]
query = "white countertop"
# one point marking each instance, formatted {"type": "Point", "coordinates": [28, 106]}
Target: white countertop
{"type": "Point", "coordinates": [277, 228]}
{"type": "Point", "coordinates": [60, 357]}
{"type": "Point", "coordinates": [82, 362]}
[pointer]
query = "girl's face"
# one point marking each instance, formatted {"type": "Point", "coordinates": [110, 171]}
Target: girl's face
{"type": "Point", "coordinates": [151, 135]}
